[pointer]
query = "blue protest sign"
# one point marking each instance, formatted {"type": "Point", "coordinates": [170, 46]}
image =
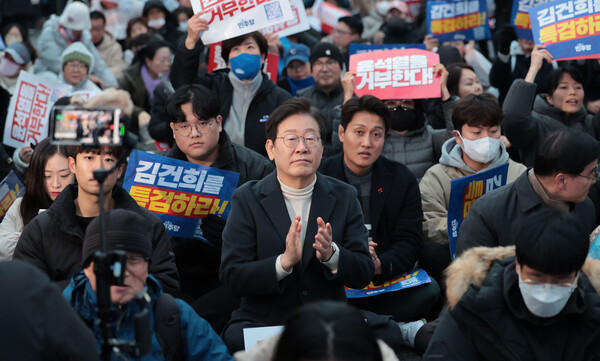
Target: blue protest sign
{"type": "Point", "coordinates": [11, 188]}
{"type": "Point", "coordinates": [413, 278]}
{"type": "Point", "coordinates": [453, 20]}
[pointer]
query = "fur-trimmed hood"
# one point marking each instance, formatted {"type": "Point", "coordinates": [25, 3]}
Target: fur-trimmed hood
{"type": "Point", "coordinates": [473, 266]}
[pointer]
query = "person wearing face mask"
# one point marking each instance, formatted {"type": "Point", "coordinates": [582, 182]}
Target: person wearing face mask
{"type": "Point", "coordinates": [61, 31]}
{"type": "Point", "coordinates": [297, 69]}
{"type": "Point", "coordinates": [159, 20]}
{"type": "Point", "coordinates": [246, 95]}
{"type": "Point", "coordinates": [16, 58]}
{"type": "Point", "coordinates": [537, 300]}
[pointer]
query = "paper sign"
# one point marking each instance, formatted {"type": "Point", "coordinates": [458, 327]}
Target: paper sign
{"type": "Point", "coordinates": [329, 15]}
{"type": "Point", "coordinates": [453, 20]}
{"type": "Point", "coordinates": [297, 24]}
{"type": "Point", "coordinates": [11, 188]}
{"type": "Point", "coordinates": [216, 62]}
{"type": "Point", "coordinates": [180, 193]}
{"type": "Point", "coordinates": [367, 48]}
{"type": "Point", "coordinates": [413, 278]}
{"type": "Point", "coordinates": [519, 17]}
{"type": "Point", "coordinates": [255, 335]}
{"type": "Point", "coordinates": [230, 18]}
{"type": "Point", "coordinates": [569, 29]}
{"type": "Point", "coordinates": [396, 74]}
{"type": "Point", "coordinates": [466, 190]}
{"type": "Point", "coordinates": [413, 8]}
{"type": "Point", "coordinates": [28, 114]}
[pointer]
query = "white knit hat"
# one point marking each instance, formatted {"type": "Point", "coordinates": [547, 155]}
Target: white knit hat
{"type": "Point", "coordinates": [76, 16]}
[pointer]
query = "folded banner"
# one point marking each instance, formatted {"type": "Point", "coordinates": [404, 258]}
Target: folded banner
{"type": "Point", "coordinates": [28, 112]}
{"type": "Point", "coordinates": [452, 20]}
{"type": "Point", "coordinates": [180, 193]}
{"type": "Point", "coordinates": [568, 28]}
{"type": "Point", "coordinates": [230, 18]}
{"type": "Point", "coordinates": [413, 278]}
{"type": "Point", "coordinates": [466, 190]}
{"type": "Point", "coordinates": [297, 24]}
{"type": "Point", "coordinates": [396, 74]}
{"type": "Point", "coordinates": [519, 17]}
{"type": "Point", "coordinates": [367, 48]}
{"type": "Point", "coordinates": [11, 188]}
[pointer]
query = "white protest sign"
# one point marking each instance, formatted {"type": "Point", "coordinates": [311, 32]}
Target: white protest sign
{"type": "Point", "coordinates": [255, 335]}
{"type": "Point", "coordinates": [28, 112]}
{"type": "Point", "coordinates": [230, 18]}
{"type": "Point", "coordinates": [297, 24]}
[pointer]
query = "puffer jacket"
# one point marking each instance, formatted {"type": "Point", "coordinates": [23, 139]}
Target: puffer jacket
{"type": "Point", "coordinates": [85, 85]}
{"type": "Point", "coordinates": [200, 342]}
{"type": "Point", "coordinates": [488, 319]}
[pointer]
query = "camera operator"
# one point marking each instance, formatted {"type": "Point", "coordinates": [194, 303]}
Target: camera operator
{"type": "Point", "coordinates": [127, 231]}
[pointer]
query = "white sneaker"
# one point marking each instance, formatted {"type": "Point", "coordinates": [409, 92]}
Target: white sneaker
{"type": "Point", "coordinates": [409, 331]}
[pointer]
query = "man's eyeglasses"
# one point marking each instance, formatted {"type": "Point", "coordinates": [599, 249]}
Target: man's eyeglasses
{"type": "Point", "coordinates": [329, 64]}
{"type": "Point", "coordinates": [594, 178]}
{"type": "Point", "coordinates": [202, 127]}
{"type": "Point", "coordinates": [292, 141]}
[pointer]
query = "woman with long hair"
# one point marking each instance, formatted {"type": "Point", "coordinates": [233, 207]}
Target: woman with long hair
{"type": "Point", "coordinates": [48, 174]}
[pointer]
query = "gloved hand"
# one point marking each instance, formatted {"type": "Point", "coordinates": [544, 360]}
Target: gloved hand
{"type": "Point", "coordinates": [505, 36]}
{"type": "Point", "coordinates": [212, 229]}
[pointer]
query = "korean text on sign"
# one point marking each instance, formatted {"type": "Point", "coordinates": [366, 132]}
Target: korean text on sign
{"type": "Point", "coordinates": [396, 74]}
{"type": "Point", "coordinates": [458, 20]}
{"type": "Point", "coordinates": [520, 17]}
{"type": "Point", "coordinates": [569, 28]}
{"type": "Point", "coordinates": [11, 188]}
{"type": "Point", "coordinates": [179, 192]}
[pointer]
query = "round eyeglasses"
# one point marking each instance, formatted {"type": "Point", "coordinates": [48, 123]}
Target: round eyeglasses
{"type": "Point", "coordinates": [202, 127]}
{"type": "Point", "coordinates": [292, 141]}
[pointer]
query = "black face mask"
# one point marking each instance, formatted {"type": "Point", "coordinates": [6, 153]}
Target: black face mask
{"type": "Point", "coordinates": [403, 119]}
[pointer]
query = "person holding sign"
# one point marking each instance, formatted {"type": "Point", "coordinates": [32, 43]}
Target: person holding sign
{"type": "Point", "coordinates": [295, 236]}
{"type": "Point", "coordinates": [247, 97]}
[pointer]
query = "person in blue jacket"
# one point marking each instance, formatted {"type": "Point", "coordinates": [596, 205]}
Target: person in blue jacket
{"type": "Point", "coordinates": [126, 231]}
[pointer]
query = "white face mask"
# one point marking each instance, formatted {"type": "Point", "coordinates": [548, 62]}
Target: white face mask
{"type": "Point", "coordinates": [156, 23]}
{"type": "Point", "coordinates": [482, 150]}
{"type": "Point", "coordinates": [545, 300]}
{"type": "Point", "coordinates": [382, 7]}
{"type": "Point", "coordinates": [183, 26]}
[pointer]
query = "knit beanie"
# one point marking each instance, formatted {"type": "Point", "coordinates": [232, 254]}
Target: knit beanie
{"type": "Point", "coordinates": [77, 55]}
{"type": "Point", "coordinates": [327, 50]}
{"type": "Point", "coordinates": [125, 230]}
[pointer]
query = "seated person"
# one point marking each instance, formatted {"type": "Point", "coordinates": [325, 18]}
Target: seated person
{"type": "Point", "coordinates": [295, 236]}
{"type": "Point", "coordinates": [296, 74]}
{"type": "Point", "coordinates": [566, 166]}
{"type": "Point", "coordinates": [127, 231]}
{"type": "Point", "coordinates": [536, 301]}
{"type": "Point", "coordinates": [391, 203]}
{"type": "Point", "coordinates": [77, 64]}
{"type": "Point", "coordinates": [476, 146]}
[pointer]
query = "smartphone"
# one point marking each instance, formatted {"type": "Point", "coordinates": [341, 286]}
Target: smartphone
{"type": "Point", "coordinates": [82, 126]}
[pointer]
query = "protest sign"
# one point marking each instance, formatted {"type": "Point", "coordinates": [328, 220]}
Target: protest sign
{"type": "Point", "coordinates": [11, 188]}
{"type": "Point", "coordinates": [255, 335]}
{"type": "Point", "coordinates": [329, 15]}
{"type": "Point", "coordinates": [568, 28]}
{"type": "Point", "coordinates": [452, 20]}
{"type": "Point", "coordinates": [180, 193]}
{"type": "Point", "coordinates": [230, 18]}
{"type": "Point", "coordinates": [216, 62]}
{"type": "Point", "coordinates": [297, 24]}
{"type": "Point", "coordinates": [413, 8]}
{"type": "Point", "coordinates": [367, 48]}
{"type": "Point", "coordinates": [466, 190]}
{"type": "Point", "coordinates": [519, 17]}
{"type": "Point", "coordinates": [396, 74]}
{"type": "Point", "coordinates": [27, 120]}
{"type": "Point", "coordinates": [413, 278]}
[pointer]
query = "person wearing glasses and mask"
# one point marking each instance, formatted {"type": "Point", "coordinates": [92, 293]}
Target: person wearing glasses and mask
{"type": "Point", "coordinates": [565, 167]}
{"type": "Point", "coordinates": [295, 236]}
{"type": "Point", "coordinates": [193, 113]}
{"type": "Point", "coordinates": [537, 300]}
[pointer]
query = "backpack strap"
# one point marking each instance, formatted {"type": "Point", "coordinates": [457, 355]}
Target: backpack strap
{"type": "Point", "coordinates": [166, 327]}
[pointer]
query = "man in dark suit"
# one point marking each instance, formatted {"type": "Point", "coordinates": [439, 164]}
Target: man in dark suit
{"type": "Point", "coordinates": [296, 236]}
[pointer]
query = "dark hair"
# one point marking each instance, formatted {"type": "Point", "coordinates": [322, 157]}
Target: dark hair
{"type": "Point", "coordinates": [327, 330]}
{"type": "Point", "coordinates": [476, 110]}
{"type": "Point", "coordinates": [115, 150]}
{"type": "Point", "coordinates": [149, 51]}
{"type": "Point", "coordinates": [140, 41]}
{"type": "Point", "coordinates": [454, 73]}
{"type": "Point", "coordinates": [354, 23]}
{"type": "Point", "coordinates": [25, 35]}
{"type": "Point", "coordinates": [233, 42]}
{"type": "Point", "coordinates": [182, 9]}
{"type": "Point", "coordinates": [291, 107]}
{"type": "Point", "coordinates": [97, 15]}
{"type": "Point", "coordinates": [132, 22]}
{"type": "Point", "coordinates": [567, 151]}
{"type": "Point", "coordinates": [556, 75]}
{"type": "Point", "coordinates": [552, 242]}
{"type": "Point", "coordinates": [35, 197]}
{"type": "Point", "coordinates": [366, 103]}
{"type": "Point", "coordinates": [204, 103]}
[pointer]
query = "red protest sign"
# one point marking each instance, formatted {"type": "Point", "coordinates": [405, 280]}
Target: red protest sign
{"type": "Point", "coordinates": [396, 74]}
{"type": "Point", "coordinates": [329, 15]}
{"type": "Point", "coordinates": [216, 62]}
{"type": "Point", "coordinates": [272, 66]}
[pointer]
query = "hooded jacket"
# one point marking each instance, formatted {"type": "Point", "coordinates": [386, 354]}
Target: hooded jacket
{"type": "Point", "coordinates": [52, 241]}
{"type": "Point", "coordinates": [529, 118]}
{"type": "Point", "coordinates": [488, 319]}
{"type": "Point", "coordinates": [85, 84]}
{"type": "Point", "coordinates": [200, 342]}
{"type": "Point", "coordinates": [435, 187]}
{"type": "Point", "coordinates": [51, 45]}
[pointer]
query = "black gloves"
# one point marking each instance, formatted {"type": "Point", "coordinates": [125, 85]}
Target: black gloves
{"type": "Point", "coordinates": [505, 36]}
{"type": "Point", "coordinates": [212, 229]}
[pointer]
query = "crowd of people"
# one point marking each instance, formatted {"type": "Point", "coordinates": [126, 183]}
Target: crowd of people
{"type": "Point", "coordinates": [335, 191]}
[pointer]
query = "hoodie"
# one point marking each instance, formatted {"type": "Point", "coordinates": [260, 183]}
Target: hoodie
{"type": "Point", "coordinates": [452, 155]}
{"type": "Point", "coordinates": [85, 84]}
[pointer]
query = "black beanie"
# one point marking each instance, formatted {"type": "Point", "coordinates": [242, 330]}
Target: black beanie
{"type": "Point", "coordinates": [125, 231]}
{"type": "Point", "coordinates": [326, 50]}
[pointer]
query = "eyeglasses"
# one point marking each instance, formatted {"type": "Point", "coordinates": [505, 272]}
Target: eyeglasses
{"type": "Point", "coordinates": [594, 178]}
{"type": "Point", "coordinates": [292, 141]}
{"type": "Point", "coordinates": [543, 286]}
{"type": "Point", "coordinates": [202, 127]}
{"type": "Point", "coordinates": [329, 64]}
{"type": "Point", "coordinates": [75, 65]}
{"type": "Point", "coordinates": [342, 32]}
{"type": "Point", "coordinates": [135, 262]}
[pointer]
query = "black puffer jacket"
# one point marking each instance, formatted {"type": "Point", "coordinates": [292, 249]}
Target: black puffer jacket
{"type": "Point", "coordinates": [52, 241]}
